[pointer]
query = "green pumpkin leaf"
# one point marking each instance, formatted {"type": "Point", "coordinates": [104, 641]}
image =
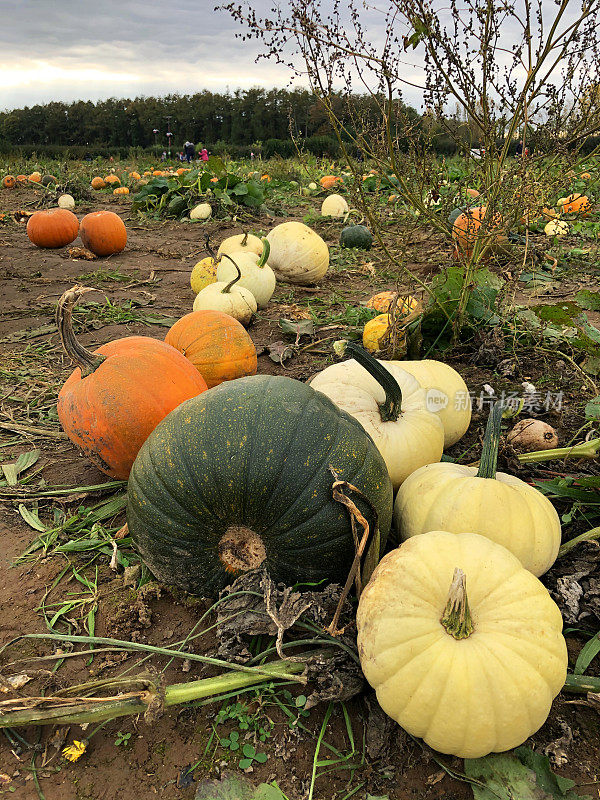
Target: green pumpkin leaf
{"type": "Point", "coordinates": [248, 751]}
{"type": "Point", "coordinates": [230, 787]}
{"type": "Point", "coordinates": [588, 653]}
{"type": "Point", "coordinates": [592, 409]}
{"type": "Point", "coordinates": [588, 299]}
{"type": "Point", "coordinates": [522, 775]}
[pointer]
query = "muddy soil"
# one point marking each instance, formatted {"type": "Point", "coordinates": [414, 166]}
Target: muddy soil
{"type": "Point", "coordinates": [129, 759]}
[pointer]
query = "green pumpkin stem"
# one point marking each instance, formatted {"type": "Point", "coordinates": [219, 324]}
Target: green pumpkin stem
{"type": "Point", "coordinates": [87, 361]}
{"type": "Point", "coordinates": [456, 618]}
{"type": "Point", "coordinates": [491, 439]}
{"type": "Point", "coordinates": [227, 289]}
{"type": "Point", "coordinates": [391, 408]}
{"type": "Point", "coordinates": [265, 254]}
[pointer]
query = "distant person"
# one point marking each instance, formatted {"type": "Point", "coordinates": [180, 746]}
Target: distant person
{"type": "Point", "coordinates": [204, 154]}
{"type": "Point", "coordinates": [164, 155]}
{"type": "Point", "coordinates": [189, 150]}
{"type": "Point", "coordinates": [519, 150]}
{"type": "Point", "coordinates": [252, 155]}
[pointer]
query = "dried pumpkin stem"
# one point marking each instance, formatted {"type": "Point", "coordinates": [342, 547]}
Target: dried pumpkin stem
{"type": "Point", "coordinates": [85, 359]}
{"type": "Point", "coordinates": [456, 618]}
{"type": "Point", "coordinates": [227, 289]}
{"type": "Point", "coordinates": [491, 440]}
{"type": "Point", "coordinates": [391, 408]}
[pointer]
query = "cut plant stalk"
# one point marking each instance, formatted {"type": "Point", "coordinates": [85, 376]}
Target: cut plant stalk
{"type": "Point", "coordinates": [589, 449]}
{"type": "Point", "coordinates": [588, 536]}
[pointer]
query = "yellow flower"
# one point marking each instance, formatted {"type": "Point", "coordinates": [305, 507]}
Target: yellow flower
{"type": "Point", "coordinates": [74, 751]}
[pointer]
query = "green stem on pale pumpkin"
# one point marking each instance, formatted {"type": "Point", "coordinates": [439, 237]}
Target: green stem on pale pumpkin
{"type": "Point", "coordinates": [391, 408]}
{"type": "Point", "coordinates": [456, 618]}
{"type": "Point", "coordinates": [227, 289]}
{"type": "Point", "coordinates": [491, 441]}
{"type": "Point", "coordinates": [85, 359]}
{"type": "Point", "coordinates": [265, 253]}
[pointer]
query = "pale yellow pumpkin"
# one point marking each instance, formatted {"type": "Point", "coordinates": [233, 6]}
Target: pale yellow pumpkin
{"type": "Point", "coordinates": [335, 206]}
{"type": "Point", "coordinates": [497, 505]}
{"type": "Point", "coordinates": [234, 300]}
{"type": "Point", "coordinates": [485, 692]}
{"type": "Point", "coordinates": [447, 395]}
{"type": "Point", "coordinates": [256, 274]}
{"type": "Point", "coordinates": [556, 227]}
{"type": "Point", "coordinates": [203, 273]}
{"type": "Point", "coordinates": [202, 211]}
{"type": "Point", "coordinates": [298, 254]}
{"type": "Point", "coordinates": [389, 404]}
{"type": "Point", "coordinates": [66, 201]}
{"type": "Point", "coordinates": [241, 242]}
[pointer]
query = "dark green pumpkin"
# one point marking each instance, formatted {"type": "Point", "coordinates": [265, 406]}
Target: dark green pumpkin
{"type": "Point", "coordinates": [455, 214]}
{"type": "Point", "coordinates": [356, 236]}
{"type": "Point", "coordinates": [239, 476]}
{"type": "Point", "coordinates": [48, 180]}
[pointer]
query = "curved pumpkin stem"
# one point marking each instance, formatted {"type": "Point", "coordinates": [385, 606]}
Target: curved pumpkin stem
{"type": "Point", "coordinates": [391, 408]}
{"type": "Point", "coordinates": [456, 618]}
{"type": "Point", "coordinates": [264, 257]}
{"type": "Point", "coordinates": [85, 359]}
{"type": "Point", "coordinates": [227, 289]}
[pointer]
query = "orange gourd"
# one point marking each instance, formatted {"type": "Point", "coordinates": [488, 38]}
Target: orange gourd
{"type": "Point", "coordinates": [103, 232]}
{"type": "Point", "coordinates": [157, 173]}
{"type": "Point", "coordinates": [121, 190]}
{"type": "Point", "coordinates": [577, 204]}
{"type": "Point", "coordinates": [36, 177]}
{"type": "Point", "coordinates": [135, 176]}
{"type": "Point", "coordinates": [466, 228]}
{"type": "Point", "coordinates": [55, 227]}
{"type": "Point", "coordinates": [585, 176]}
{"type": "Point", "coordinates": [98, 183]}
{"type": "Point", "coordinates": [9, 182]}
{"type": "Point", "coordinates": [383, 301]}
{"type": "Point", "coordinates": [472, 193]}
{"type": "Point", "coordinates": [329, 181]}
{"type": "Point", "coordinates": [119, 393]}
{"type": "Point", "coordinates": [112, 180]}
{"type": "Point", "coordinates": [21, 178]}
{"type": "Point", "coordinates": [217, 345]}
{"type": "Point", "coordinates": [266, 178]}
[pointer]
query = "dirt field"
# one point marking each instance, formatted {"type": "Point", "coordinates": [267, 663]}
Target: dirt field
{"type": "Point", "coordinates": [127, 758]}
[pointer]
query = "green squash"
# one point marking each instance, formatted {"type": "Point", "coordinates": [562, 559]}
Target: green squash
{"type": "Point", "coordinates": [356, 236]}
{"type": "Point", "coordinates": [48, 180]}
{"type": "Point", "coordinates": [455, 214]}
{"type": "Point", "coordinates": [239, 477]}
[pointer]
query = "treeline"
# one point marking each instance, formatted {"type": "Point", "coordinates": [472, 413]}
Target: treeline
{"type": "Point", "coordinates": [241, 119]}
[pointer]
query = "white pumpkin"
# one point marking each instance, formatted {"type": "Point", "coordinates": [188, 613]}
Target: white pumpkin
{"type": "Point", "coordinates": [497, 505]}
{"type": "Point", "coordinates": [462, 645]}
{"type": "Point", "coordinates": [66, 201]}
{"type": "Point", "coordinates": [556, 227]}
{"type": "Point", "coordinates": [298, 254]}
{"type": "Point", "coordinates": [245, 242]}
{"type": "Point", "coordinates": [447, 395]}
{"type": "Point", "coordinates": [257, 275]}
{"type": "Point", "coordinates": [389, 404]}
{"type": "Point", "coordinates": [238, 302]}
{"type": "Point", "coordinates": [335, 206]}
{"type": "Point", "coordinates": [201, 211]}
{"type": "Point", "coordinates": [312, 186]}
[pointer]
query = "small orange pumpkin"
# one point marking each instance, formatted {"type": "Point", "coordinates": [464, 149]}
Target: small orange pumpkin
{"type": "Point", "coordinates": [135, 176]}
{"type": "Point", "coordinates": [98, 183]}
{"type": "Point", "coordinates": [113, 401]}
{"type": "Point", "coordinates": [21, 178]}
{"type": "Point", "coordinates": [266, 178]}
{"type": "Point", "coordinates": [577, 204]}
{"type": "Point", "coordinates": [54, 227]}
{"type": "Point", "coordinates": [148, 172]}
{"type": "Point", "coordinates": [103, 232]}
{"type": "Point", "coordinates": [383, 301]}
{"type": "Point", "coordinates": [585, 176]}
{"type": "Point", "coordinates": [35, 177]}
{"type": "Point", "coordinates": [157, 173]}
{"type": "Point", "coordinates": [466, 228]}
{"type": "Point", "coordinates": [472, 193]}
{"type": "Point", "coordinates": [329, 181]}
{"type": "Point", "coordinates": [112, 180]}
{"type": "Point", "coordinates": [121, 190]}
{"type": "Point", "coordinates": [9, 182]}
{"type": "Point", "coordinates": [217, 345]}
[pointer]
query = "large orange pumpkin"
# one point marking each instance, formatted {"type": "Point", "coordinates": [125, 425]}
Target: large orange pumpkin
{"type": "Point", "coordinates": [103, 232]}
{"type": "Point", "coordinates": [217, 345]}
{"type": "Point", "coordinates": [36, 177]}
{"type": "Point", "coordinates": [121, 190]}
{"type": "Point", "coordinates": [329, 181]}
{"type": "Point", "coordinates": [55, 227]}
{"type": "Point", "coordinates": [98, 183]}
{"type": "Point", "coordinates": [577, 204]}
{"type": "Point", "coordinates": [112, 180]}
{"type": "Point", "coordinates": [9, 182]}
{"type": "Point", "coordinates": [466, 228]}
{"type": "Point", "coordinates": [119, 393]}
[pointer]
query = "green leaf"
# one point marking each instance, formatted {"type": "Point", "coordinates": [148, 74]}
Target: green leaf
{"type": "Point", "coordinates": [216, 165]}
{"type": "Point", "coordinates": [588, 653]}
{"type": "Point", "coordinates": [245, 763]}
{"type": "Point", "coordinates": [524, 775]}
{"type": "Point", "coordinates": [592, 409]}
{"type": "Point", "coordinates": [230, 787]}
{"type": "Point", "coordinates": [588, 299]}
{"type": "Point", "coordinates": [248, 751]}
{"type": "Point", "coordinates": [261, 758]}
{"type": "Point", "coordinates": [267, 791]}
{"type": "Point", "coordinates": [31, 518]}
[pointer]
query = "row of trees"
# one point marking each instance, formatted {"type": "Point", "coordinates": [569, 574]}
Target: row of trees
{"type": "Point", "coordinates": [242, 118]}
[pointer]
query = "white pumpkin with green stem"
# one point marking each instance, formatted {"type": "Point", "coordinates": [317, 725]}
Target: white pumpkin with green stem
{"type": "Point", "coordinates": [298, 254]}
{"type": "Point", "coordinates": [237, 301]}
{"type": "Point", "coordinates": [257, 275]}
{"type": "Point", "coordinates": [242, 242]}
{"type": "Point", "coordinates": [389, 404]}
{"type": "Point", "coordinates": [463, 646]}
{"type": "Point", "coordinates": [447, 395]}
{"type": "Point", "coordinates": [503, 508]}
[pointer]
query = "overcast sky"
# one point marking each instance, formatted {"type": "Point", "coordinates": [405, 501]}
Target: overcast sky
{"type": "Point", "coordinates": [94, 49]}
